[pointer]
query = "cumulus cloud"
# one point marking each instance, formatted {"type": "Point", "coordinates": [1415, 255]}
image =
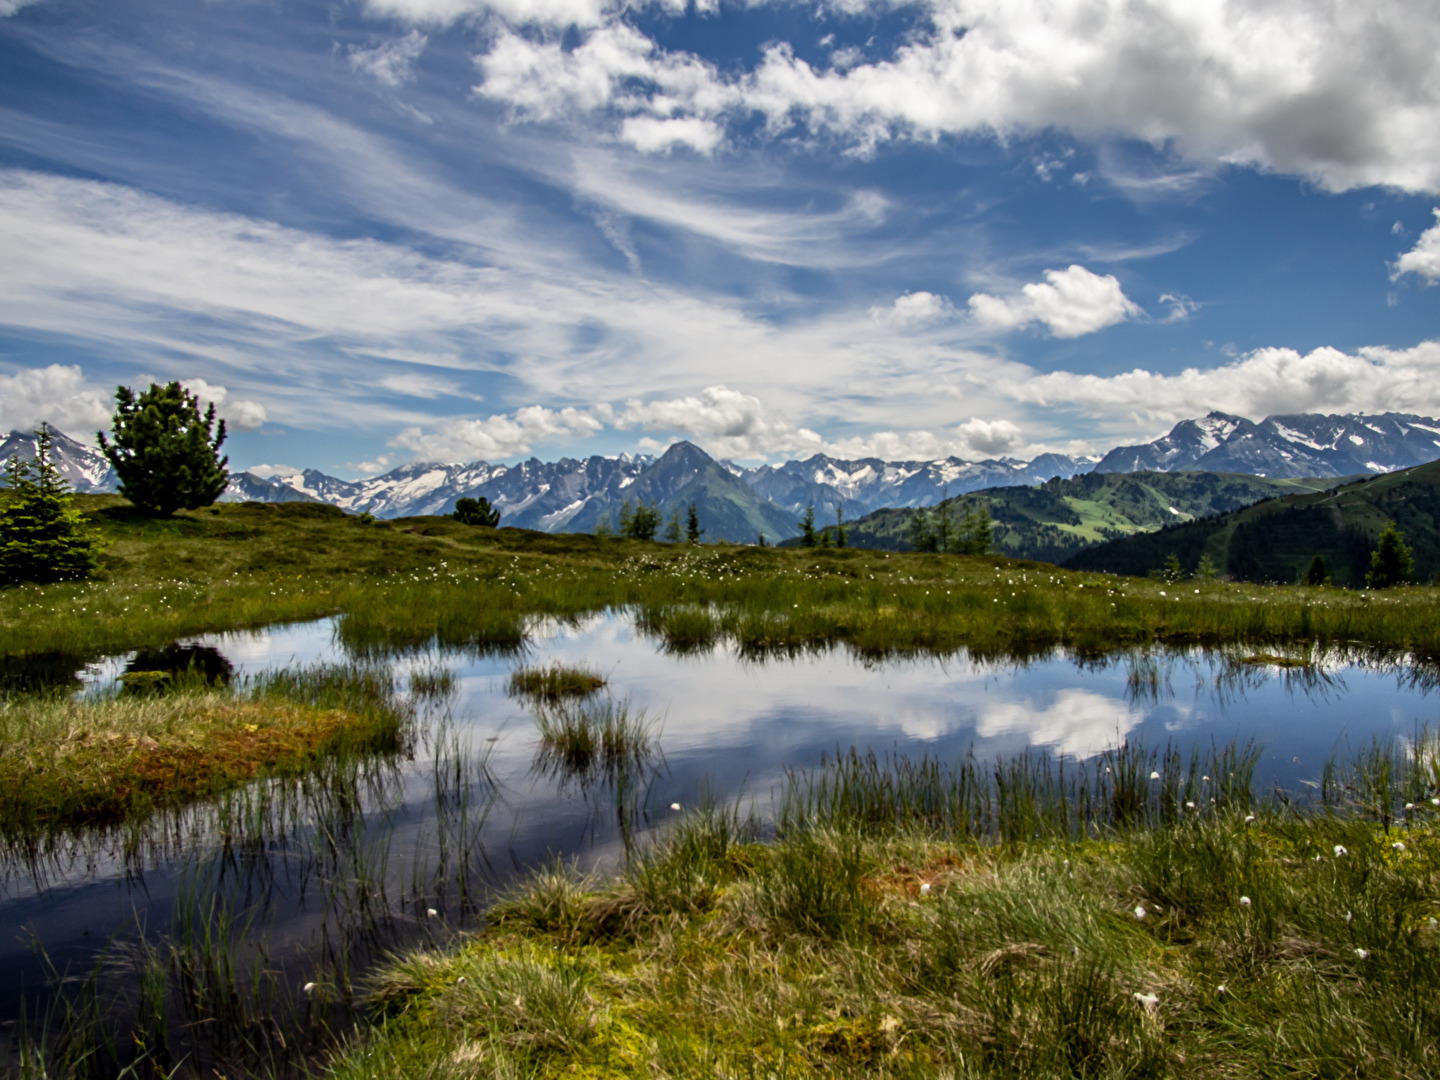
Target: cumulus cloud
{"type": "Point", "coordinates": [1424, 258]}
{"type": "Point", "coordinates": [1069, 302]}
{"type": "Point", "coordinates": [57, 395]}
{"type": "Point", "coordinates": [651, 135]}
{"type": "Point", "coordinates": [729, 423]}
{"type": "Point", "coordinates": [914, 310]}
{"type": "Point", "coordinates": [238, 414]}
{"type": "Point", "coordinates": [393, 62]}
{"type": "Point", "coordinates": [991, 438]}
{"type": "Point", "coordinates": [1259, 383]}
{"type": "Point", "coordinates": [1347, 94]}
{"type": "Point", "coordinates": [500, 436]}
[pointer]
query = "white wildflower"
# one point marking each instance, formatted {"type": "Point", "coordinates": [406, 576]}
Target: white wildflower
{"type": "Point", "coordinates": [675, 806]}
{"type": "Point", "coordinates": [1340, 849]}
{"type": "Point", "coordinates": [1154, 775]}
{"type": "Point", "coordinates": [1397, 846]}
{"type": "Point", "coordinates": [308, 987]}
{"type": "Point", "coordinates": [1140, 911]}
{"type": "Point", "coordinates": [924, 888]}
{"type": "Point", "coordinates": [1363, 954]}
{"type": "Point", "coordinates": [1244, 901]}
{"type": "Point", "coordinates": [431, 912]}
{"type": "Point", "coordinates": [1148, 1000]}
{"type": "Point", "coordinates": [1349, 917]}
{"type": "Point", "coordinates": [1249, 819]}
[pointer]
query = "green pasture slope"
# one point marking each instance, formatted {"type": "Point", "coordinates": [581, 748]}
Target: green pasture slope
{"type": "Point", "coordinates": [1275, 541]}
{"type": "Point", "coordinates": [416, 582]}
{"type": "Point", "coordinates": [1057, 519]}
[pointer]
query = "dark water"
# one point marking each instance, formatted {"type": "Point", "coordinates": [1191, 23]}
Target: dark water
{"type": "Point", "coordinates": [470, 807]}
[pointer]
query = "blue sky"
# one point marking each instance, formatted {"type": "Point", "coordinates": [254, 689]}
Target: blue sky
{"type": "Point", "coordinates": [380, 230]}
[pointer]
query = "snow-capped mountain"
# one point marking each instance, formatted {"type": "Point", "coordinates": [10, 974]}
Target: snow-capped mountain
{"type": "Point", "coordinates": [1302, 444]}
{"type": "Point", "coordinates": [870, 483]}
{"type": "Point", "coordinates": [575, 494]}
{"type": "Point", "coordinates": [84, 467]}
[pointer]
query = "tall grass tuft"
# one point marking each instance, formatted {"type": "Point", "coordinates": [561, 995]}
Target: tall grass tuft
{"type": "Point", "coordinates": [554, 682]}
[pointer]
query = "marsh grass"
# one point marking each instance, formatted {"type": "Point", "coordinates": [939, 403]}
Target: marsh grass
{"type": "Point", "coordinates": [585, 735]}
{"type": "Point", "coordinates": [66, 762]}
{"type": "Point", "coordinates": [406, 586]}
{"type": "Point", "coordinates": [554, 682]}
{"type": "Point", "coordinates": [893, 928]}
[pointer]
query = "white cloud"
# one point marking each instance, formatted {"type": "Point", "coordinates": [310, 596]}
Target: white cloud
{"type": "Point", "coordinates": [499, 436]}
{"type": "Point", "coordinates": [990, 438]}
{"type": "Point", "coordinates": [1070, 302]}
{"type": "Point", "coordinates": [10, 7]}
{"type": "Point", "coordinates": [393, 62]}
{"type": "Point", "coordinates": [1079, 723]}
{"type": "Point", "coordinates": [57, 395]}
{"type": "Point", "coordinates": [1346, 93]}
{"type": "Point", "coordinates": [1259, 383]}
{"type": "Point", "coordinates": [730, 424]}
{"type": "Point", "coordinates": [914, 310]}
{"type": "Point", "coordinates": [650, 135]}
{"type": "Point", "coordinates": [265, 472]}
{"type": "Point", "coordinates": [444, 12]}
{"type": "Point", "coordinates": [1424, 258]}
{"type": "Point", "coordinates": [239, 415]}
{"type": "Point", "coordinates": [417, 384]}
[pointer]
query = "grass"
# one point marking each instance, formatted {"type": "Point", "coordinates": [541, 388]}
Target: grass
{"type": "Point", "coordinates": [555, 682]}
{"type": "Point", "coordinates": [580, 737]}
{"type": "Point", "coordinates": [877, 936]}
{"type": "Point", "coordinates": [407, 585]}
{"type": "Point", "coordinates": [67, 762]}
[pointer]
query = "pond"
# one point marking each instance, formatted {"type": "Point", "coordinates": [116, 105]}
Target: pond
{"type": "Point", "coordinates": [316, 880]}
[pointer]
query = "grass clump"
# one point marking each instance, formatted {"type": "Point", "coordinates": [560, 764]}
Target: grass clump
{"type": "Point", "coordinates": [66, 762]}
{"type": "Point", "coordinates": [555, 682]}
{"type": "Point", "coordinates": [1224, 941]}
{"type": "Point", "coordinates": [580, 736]}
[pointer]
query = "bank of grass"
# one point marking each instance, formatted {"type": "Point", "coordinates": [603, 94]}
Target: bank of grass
{"type": "Point", "coordinates": [1188, 939]}
{"type": "Point", "coordinates": [67, 761]}
{"type": "Point", "coordinates": [414, 583]}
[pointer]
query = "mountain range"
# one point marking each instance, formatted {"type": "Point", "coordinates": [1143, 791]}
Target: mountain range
{"type": "Point", "coordinates": [739, 503]}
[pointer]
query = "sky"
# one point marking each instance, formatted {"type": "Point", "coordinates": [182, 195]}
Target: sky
{"type": "Point", "coordinates": [380, 231]}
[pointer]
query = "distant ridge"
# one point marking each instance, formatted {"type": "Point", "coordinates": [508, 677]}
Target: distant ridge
{"type": "Point", "coordinates": [738, 503]}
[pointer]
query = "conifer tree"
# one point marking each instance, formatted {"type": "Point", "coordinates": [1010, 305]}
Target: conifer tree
{"type": "Point", "coordinates": [43, 538]}
{"type": "Point", "coordinates": [672, 535]}
{"type": "Point", "coordinates": [921, 532]}
{"type": "Point", "coordinates": [1319, 572]}
{"type": "Point", "coordinates": [164, 452]}
{"type": "Point", "coordinates": [1391, 563]}
{"type": "Point", "coordinates": [477, 511]}
{"type": "Point", "coordinates": [693, 531]}
{"type": "Point", "coordinates": [807, 528]}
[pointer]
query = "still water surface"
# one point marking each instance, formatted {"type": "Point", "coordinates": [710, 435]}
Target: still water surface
{"type": "Point", "coordinates": [726, 729]}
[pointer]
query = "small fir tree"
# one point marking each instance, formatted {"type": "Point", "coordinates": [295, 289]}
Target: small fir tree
{"type": "Point", "coordinates": [977, 533]}
{"type": "Point", "coordinates": [921, 533]}
{"type": "Point", "coordinates": [840, 533]}
{"type": "Point", "coordinates": [693, 531]}
{"type": "Point", "coordinates": [1319, 572]}
{"type": "Point", "coordinates": [807, 528]}
{"type": "Point", "coordinates": [43, 538]}
{"type": "Point", "coordinates": [1205, 569]}
{"type": "Point", "coordinates": [1173, 572]}
{"type": "Point", "coordinates": [639, 521]}
{"type": "Point", "coordinates": [1391, 563]}
{"type": "Point", "coordinates": [477, 511]}
{"type": "Point", "coordinates": [671, 535]}
{"type": "Point", "coordinates": [164, 452]}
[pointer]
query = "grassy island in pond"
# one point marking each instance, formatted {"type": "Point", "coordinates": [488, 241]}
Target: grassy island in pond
{"type": "Point", "coordinates": [67, 762]}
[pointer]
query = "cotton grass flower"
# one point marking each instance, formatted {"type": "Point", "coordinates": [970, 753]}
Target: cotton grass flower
{"type": "Point", "coordinates": [1397, 846]}
{"type": "Point", "coordinates": [1244, 901]}
{"type": "Point", "coordinates": [1140, 911]}
{"type": "Point", "coordinates": [675, 806]}
{"type": "Point", "coordinates": [1340, 849]}
{"type": "Point", "coordinates": [430, 912]}
{"type": "Point", "coordinates": [1363, 954]}
{"type": "Point", "coordinates": [1249, 819]}
{"type": "Point", "coordinates": [1154, 775]}
{"type": "Point", "coordinates": [307, 988]}
{"type": "Point", "coordinates": [1148, 1000]}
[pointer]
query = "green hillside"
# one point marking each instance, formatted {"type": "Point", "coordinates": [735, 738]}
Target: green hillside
{"type": "Point", "coordinates": [1277, 539]}
{"type": "Point", "coordinates": [1057, 519]}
